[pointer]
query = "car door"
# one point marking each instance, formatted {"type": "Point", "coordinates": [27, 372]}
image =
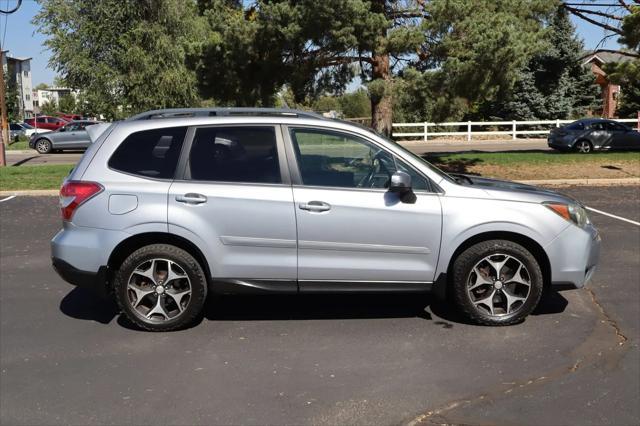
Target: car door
{"type": "Point", "coordinates": [41, 123]}
{"type": "Point", "coordinates": [352, 232]}
{"type": "Point", "coordinates": [61, 138]}
{"type": "Point", "coordinates": [599, 135]}
{"type": "Point", "coordinates": [77, 135]}
{"type": "Point", "coordinates": [622, 136]}
{"type": "Point", "coordinates": [234, 197]}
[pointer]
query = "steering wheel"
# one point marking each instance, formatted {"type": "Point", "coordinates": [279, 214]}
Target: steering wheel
{"type": "Point", "coordinates": [377, 165]}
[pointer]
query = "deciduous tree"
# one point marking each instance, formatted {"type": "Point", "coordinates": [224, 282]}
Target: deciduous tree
{"type": "Point", "coordinates": [126, 55]}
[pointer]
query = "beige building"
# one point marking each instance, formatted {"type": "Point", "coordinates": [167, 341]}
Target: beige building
{"type": "Point", "coordinates": [18, 71]}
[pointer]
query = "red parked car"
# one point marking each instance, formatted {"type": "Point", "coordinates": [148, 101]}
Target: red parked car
{"type": "Point", "coordinates": [69, 117]}
{"type": "Point", "coordinates": [46, 122]}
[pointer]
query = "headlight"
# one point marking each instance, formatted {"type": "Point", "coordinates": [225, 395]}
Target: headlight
{"type": "Point", "coordinates": [572, 212]}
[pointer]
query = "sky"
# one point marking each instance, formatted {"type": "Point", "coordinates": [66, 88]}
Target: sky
{"type": "Point", "coordinates": [22, 39]}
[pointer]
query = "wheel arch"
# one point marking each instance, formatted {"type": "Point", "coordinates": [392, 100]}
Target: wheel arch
{"type": "Point", "coordinates": [133, 243]}
{"type": "Point", "coordinates": [527, 242]}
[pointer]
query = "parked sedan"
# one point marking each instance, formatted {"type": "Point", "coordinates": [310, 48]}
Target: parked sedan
{"type": "Point", "coordinates": [23, 129]}
{"type": "Point", "coordinates": [593, 134]}
{"type": "Point", "coordinates": [46, 122]}
{"type": "Point", "coordinates": [72, 135]}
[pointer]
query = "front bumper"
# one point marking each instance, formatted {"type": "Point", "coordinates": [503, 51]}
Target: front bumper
{"type": "Point", "coordinates": [573, 256]}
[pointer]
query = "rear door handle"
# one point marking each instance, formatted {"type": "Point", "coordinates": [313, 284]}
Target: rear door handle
{"type": "Point", "coordinates": [315, 206]}
{"type": "Point", "coordinates": [191, 198]}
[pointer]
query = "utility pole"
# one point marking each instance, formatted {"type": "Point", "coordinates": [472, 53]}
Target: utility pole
{"type": "Point", "coordinates": [4, 124]}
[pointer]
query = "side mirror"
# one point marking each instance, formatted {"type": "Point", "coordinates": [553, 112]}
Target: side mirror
{"type": "Point", "coordinates": [400, 182]}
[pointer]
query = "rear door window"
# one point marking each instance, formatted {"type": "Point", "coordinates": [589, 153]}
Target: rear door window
{"type": "Point", "coordinates": [235, 154]}
{"type": "Point", "coordinates": [150, 153]}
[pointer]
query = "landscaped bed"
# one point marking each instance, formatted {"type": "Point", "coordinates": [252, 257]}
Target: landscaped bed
{"type": "Point", "coordinates": [541, 165]}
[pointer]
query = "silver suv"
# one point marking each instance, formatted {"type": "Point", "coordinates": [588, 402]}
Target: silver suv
{"type": "Point", "coordinates": [170, 205]}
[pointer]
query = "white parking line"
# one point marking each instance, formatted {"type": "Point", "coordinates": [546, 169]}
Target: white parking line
{"type": "Point", "coordinates": [8, 198]}
{"type": "Point", "coordinates": [633, 222]}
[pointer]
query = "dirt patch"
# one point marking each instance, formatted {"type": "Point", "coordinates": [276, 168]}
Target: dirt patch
{"type": "Point", "coordinates": [524, 171]}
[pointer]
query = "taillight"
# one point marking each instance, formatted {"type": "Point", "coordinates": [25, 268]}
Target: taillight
{"type": "Point", "coordinates": [74, 193]}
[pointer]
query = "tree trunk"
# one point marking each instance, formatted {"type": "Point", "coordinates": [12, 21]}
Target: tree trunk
{"type": "Point", "coordinates": [381, 100]}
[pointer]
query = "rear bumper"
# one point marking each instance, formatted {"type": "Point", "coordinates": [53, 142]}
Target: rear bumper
{"type": "Point", "coordinates": [552, 143]}
{"type": "Point", "coordinates": [80, 255]}
{"type": "Point", "coordinates": [94, 281]}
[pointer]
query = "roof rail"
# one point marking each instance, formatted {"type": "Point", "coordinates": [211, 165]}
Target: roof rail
{"type": "Point", "coordinates": [217, 112]}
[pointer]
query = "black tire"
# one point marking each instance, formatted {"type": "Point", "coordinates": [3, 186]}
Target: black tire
{"type": "Point", "coordinates": [463, 268]}
{"type": "Point", "coordinates": [187, 263]}
{"type": "Point", "coordinates": [43, 146]}
{"type": "Point", "coordinates": [583, 146]}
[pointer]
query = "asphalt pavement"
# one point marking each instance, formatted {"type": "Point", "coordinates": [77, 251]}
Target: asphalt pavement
{"type": "Point", "coordinates": [67, 357]}
{"type": "Point", "coordinates": [31, 157]}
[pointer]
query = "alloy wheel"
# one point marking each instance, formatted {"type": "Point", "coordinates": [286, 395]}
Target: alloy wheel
{"type": "Point", "coordinates": [42, 146]}
{"type": "Point", "coordinates": [583, 147]}
{"type": "Point", "coordinates": [499, 285]}
{"type": "Point", "coordinates": [159, 290]}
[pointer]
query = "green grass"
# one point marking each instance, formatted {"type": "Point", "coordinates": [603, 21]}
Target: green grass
{"type": "Point", "coordinates": [20, 145]}
{"type": "Point", "coordinates": [33, 177]}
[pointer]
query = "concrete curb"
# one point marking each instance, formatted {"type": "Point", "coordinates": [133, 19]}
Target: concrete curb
{"type": "Point", "coordinates": [31, 192]}
{"type": "Point", "coordinates": [547, 182]}
{"type": "Point", "coordinates": [21, 151]}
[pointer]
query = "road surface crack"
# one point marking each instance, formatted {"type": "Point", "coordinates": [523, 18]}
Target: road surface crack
{"type": "Point", "coordinates": [622, 339]}
{"type": "Point", "coordinates": [588, 353]}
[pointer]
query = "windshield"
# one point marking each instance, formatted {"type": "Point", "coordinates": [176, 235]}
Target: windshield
{"type": "Point", "coordinates": [26, 126]}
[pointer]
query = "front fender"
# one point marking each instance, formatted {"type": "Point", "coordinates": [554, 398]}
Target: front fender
{"type": "Point", "coordinates": [464, 219]}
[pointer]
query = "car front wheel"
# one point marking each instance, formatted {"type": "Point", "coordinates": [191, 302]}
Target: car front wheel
{"type": "Point", "coordinates": [497, 282]}
{"type": "Point", "coordinates": [43, 146]}
{"type": "Point", "coordinates": [161, 287]}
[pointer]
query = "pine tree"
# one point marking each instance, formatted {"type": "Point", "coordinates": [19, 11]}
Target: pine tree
{"type": "Point", "coordinates": [555, 83]}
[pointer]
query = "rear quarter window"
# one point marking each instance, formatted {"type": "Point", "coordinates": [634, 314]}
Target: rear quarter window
{"type": "Point", "coordinates": [150, 153]}
{"type": "Point", "coordinates": [575, 126]}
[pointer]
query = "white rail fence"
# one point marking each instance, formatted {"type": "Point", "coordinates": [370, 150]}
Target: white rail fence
{"type": "Point", "coordinates": [427, 130]}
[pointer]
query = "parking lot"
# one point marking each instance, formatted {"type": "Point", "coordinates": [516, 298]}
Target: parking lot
{"type": "Point", "coordinates": [68, 358]}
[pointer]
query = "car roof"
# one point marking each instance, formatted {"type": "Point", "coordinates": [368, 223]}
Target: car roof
{"type": "Point", "coordinates": [593, 120]}
{"type": "Point", "coordinates": [186, 113]}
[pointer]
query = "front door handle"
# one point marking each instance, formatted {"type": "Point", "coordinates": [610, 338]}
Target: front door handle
{"type": "Point", "coordinates": [315, 206]}
{"type": "Point", "coordinates": [191, 198]}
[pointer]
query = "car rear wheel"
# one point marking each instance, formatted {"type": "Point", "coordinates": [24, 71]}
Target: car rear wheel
{"type": "Point", "coordinates": [161, 288]}
{"type": "Point", "coordinates": [43, 146]}
{"type": "Point", "coordinates": [583, 147]}
{"type": "Point", "coordinates": [497, 282]}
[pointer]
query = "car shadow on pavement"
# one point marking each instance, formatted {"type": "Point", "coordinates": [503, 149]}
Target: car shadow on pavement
{"type": "Point", "coordinates": [552, 302]}
{"type": "Point", "coordinates": [317, 306]}
{"type": "Point", "coordinates": [85, 305]}
{"type": "Point", "coordinates": [21, 162]}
